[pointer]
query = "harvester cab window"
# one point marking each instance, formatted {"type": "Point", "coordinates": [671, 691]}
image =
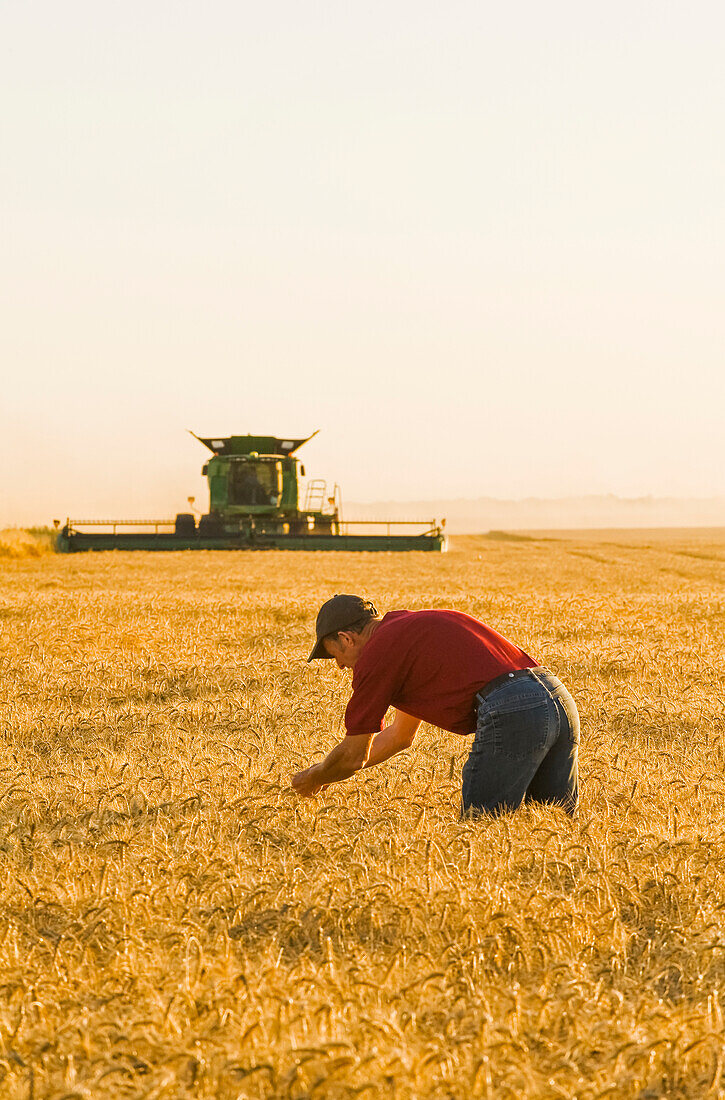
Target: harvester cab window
{"type": "Point", "coordinates": [254, 484]}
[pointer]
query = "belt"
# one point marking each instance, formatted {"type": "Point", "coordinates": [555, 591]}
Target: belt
{"type": "Point", "coordinates": [505, 678]}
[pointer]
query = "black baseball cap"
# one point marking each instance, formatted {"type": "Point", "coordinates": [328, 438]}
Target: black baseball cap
{"type": "Point", "coordinates": [336, 614]}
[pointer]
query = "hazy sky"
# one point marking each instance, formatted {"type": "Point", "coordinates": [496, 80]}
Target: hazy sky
{"type": "Point", "coordinates": [481, 246]}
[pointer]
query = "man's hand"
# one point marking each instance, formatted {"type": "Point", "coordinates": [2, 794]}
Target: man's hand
{"type": "Point", "coordinates": [308, 783]}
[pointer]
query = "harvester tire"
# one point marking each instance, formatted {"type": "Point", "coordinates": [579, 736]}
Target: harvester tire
{"type": "Point", "coordinates": [185, 525]}
{"type": "Point", "coordinates": [211, 526]}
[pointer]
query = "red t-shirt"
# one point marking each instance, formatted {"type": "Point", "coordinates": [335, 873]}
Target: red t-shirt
{"type": "Point", "coordinates": [429, 664]}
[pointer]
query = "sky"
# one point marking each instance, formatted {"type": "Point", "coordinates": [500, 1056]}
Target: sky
{"type": "Point", "coordinates": [480, 246]}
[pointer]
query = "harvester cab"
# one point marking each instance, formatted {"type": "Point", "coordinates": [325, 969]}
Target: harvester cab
{"type": "Point", "coordinates": [254, 504]}
{"type": "Point", "coordinates": [254, 490]}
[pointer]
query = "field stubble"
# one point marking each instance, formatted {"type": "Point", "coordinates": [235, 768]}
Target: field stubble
{"type": "Point", "coordinates": [174, 922]}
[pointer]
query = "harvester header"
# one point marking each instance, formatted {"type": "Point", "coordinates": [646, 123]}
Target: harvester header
{"type": "Point", "coordinates": [254, 503]}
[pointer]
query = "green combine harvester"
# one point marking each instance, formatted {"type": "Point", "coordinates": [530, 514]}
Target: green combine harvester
{"type": "Point", "coordinates": [254, 504]}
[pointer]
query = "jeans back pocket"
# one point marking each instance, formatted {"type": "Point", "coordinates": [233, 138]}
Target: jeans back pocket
{"type": "Point", "coordinates": [523, 722]}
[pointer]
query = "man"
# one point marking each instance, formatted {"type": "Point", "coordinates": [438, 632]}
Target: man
{"type": "Point", "coordinates": [448, 669]}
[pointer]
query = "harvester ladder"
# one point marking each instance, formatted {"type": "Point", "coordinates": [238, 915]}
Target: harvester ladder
{"type": "Point", "coordinates": [315, 498]}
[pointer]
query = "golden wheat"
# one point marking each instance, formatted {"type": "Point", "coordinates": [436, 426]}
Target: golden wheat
{"type": "Point", "coordinates": [174, 922]}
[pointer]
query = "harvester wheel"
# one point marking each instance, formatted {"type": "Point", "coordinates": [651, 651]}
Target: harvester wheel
{"type": "Point", "coordinates": [185, 525]}
{"type": "Point", "coordinates": [211, 526]}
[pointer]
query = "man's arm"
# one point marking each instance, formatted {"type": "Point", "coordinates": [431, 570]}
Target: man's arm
{"type": "Point", "coordinates": [355, 752]}
{"type": "Point", "coordinates": [393, 739]}
{"type": "Point", "coordinates": [342, 762]}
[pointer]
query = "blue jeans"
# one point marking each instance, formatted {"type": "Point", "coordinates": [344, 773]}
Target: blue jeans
{"type": "Point", "coordinates": [525, 747]}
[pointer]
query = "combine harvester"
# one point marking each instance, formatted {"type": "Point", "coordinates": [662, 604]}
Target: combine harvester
{"type": "Point", "coordinates": [254, 505]}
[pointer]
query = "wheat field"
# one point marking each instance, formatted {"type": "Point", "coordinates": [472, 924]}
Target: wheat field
{"type": "Point", "coordinates": [175, 922]}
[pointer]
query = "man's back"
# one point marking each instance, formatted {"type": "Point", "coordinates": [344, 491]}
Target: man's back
{"type": "Point", "coordinates": [429, 664]}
